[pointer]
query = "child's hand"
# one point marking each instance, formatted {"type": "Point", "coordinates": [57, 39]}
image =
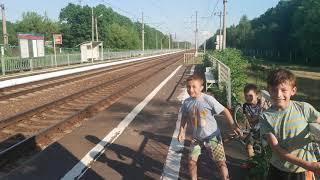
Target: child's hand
{"type": "Point", "coordinates": [181, 137]}
{"type": "Point", "coordinates": [237, 130]}
{"type": "Point", "coordinates": [315, 167]}
{"type": "Point", "coordinates": [273, 141]}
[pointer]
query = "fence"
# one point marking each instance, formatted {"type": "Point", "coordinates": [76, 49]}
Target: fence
{"type": "Point", "coordinates": [189, 58]}
{"type": "Point", "coordinates": [222, 72]}
{"type": "Point", "coordinates": [17, 64]}
{"type": "Point", "coordinates": [273, 54]}
{"type": "Point", "coordinates": [224, 76]}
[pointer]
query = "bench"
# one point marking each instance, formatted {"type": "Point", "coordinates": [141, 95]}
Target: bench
{"type": "Point", "coordinates": [210, 81]}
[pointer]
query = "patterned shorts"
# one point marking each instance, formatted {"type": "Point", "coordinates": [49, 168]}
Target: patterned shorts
{"type": "Point", "coordinates": [213, 147]}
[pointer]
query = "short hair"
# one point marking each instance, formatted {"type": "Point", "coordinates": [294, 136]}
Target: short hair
{"type": "Point", "coordinates": [279, 76]}
{"type": "Point", "coordinates": [250, 87]}
{"type": "Point", "coordinates": [195, 77]}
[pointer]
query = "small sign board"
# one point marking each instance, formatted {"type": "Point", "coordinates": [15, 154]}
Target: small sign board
{"type": "Point", "coordinates": [48, 43]}
{"type": "Point", "coordinates": [31, 45]}
{"type": "Point", "coordinates": [57, 38]}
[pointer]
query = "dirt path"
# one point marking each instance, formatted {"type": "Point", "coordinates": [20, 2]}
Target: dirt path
{"type": "Point", "coordinates": [308, 84]}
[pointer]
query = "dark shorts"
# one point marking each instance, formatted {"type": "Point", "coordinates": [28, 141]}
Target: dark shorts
{"type": "Point", "coordinates": [275, 174]}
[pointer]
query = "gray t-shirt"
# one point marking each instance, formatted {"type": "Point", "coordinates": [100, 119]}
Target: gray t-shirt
{"type": "Point", "coordinates": [199, 112]}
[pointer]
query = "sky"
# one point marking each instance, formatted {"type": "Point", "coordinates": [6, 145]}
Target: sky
{"type": "Point", "coordinates": [176, 17]}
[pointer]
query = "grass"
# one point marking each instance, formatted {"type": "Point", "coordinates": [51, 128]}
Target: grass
{"type": "Point", "coordinates": [308, 79]}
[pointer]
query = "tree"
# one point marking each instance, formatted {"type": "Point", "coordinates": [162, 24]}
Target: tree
{"type": "Point", "coordinates": [288, 32]}
{"type": "Point", "coordinates": [76, 24]}
{"type": "Point", "coordinates": [116, 31]}
{"type": "Point", "coordinates": [119, 37]}
{"type": "Point", "coordinates": [11, 31]}
{"type": "Point", "coordinates": [34, 23]}
{"type": "Point", "coordinates": [307, 29]}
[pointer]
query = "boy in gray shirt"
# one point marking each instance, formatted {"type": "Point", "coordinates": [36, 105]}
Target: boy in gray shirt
{"type": "Point", "coordinates": [197, 111]}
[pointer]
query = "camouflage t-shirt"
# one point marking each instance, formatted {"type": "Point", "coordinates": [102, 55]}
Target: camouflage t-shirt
{"type": "Point", "coordinates": [200, 113]}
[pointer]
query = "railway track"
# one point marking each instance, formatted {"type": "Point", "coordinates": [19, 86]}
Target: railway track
{"type": "Point", "coordinates": [23, 89]}
{"type": "Point", "coordinates": [40, 126]}
{"type": "Point", "coordinates": [32, 95]}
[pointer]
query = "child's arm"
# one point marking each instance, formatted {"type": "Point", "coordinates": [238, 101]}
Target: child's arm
{"type": "Point", "coordinates": [182, 130]}
{"type": "Point", "coordinates": [318, 120]}
{"type": "Point", "coordinates": [231, 122]}
{"type": "Point", "coordinates": [312, 115]}
{"type": "Point", "coordinates": [284, 154]}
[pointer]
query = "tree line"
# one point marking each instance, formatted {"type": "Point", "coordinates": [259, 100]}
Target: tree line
{"type": "Point", "coordinates": [115, 30]}
{"type": "Point", "coordinates": [288, 32]}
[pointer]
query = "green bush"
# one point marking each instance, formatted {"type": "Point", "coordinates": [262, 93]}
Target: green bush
{"type": "Point", "coordinates": [260, 165]}
{"type": "Point", "coordinates": [206, 61]}
{"type": "Point", "coordinates": [219, 94]}
{"type": "Point", "coordinates": [238, 64]}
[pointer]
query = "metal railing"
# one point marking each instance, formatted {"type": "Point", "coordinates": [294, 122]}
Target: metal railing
{"type": "Point", "coordinates": [221, 70]}
{"type": "Point", "coordinates": [224, 76]}
{"type": "Point", "coordinates": [190, 58]}
{"type": "Point", "coordinates": [18, 64]}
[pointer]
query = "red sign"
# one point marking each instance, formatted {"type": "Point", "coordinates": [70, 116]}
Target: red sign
{"type": "Point", "coordinates": [57, 38]}
{"type": "Point", "coordinates": [30, 36]}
